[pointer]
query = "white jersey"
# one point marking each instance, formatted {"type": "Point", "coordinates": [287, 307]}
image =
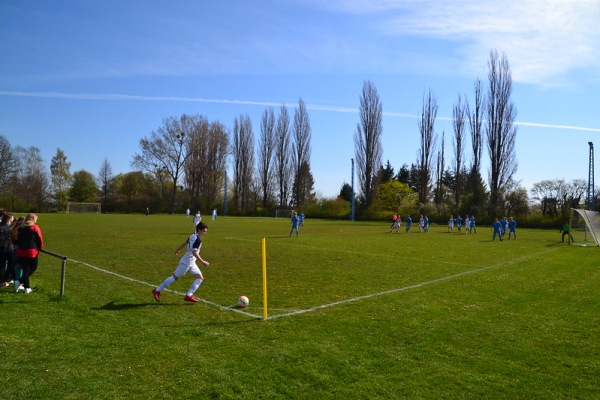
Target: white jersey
{"type": "Point", "coordinates": [197, 219]}
{"type": "Point", "coordinates": [194, 244]}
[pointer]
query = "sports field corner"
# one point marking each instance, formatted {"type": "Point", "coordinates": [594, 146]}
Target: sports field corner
{"type": "Point", "coordinates": [353, 311]}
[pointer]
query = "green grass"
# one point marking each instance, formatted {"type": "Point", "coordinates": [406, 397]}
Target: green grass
{"type": "Point", "coordinates": [437, 315]}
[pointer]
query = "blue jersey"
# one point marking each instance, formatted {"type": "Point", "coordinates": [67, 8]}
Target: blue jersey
{"type": "Point", "coordinates": [512, 225]}
{"type": "Point", "coordinates": [408, 221]}
{"type": "Point", "coordinates": [458, 221]}
{"type": "Point", "coordinates": [294, 221]}
{"type": "Point", "coordinates": [496, 225]}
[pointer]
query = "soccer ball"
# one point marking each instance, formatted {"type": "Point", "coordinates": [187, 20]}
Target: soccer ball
{"type": "Point", "coordinates": [243, 301]}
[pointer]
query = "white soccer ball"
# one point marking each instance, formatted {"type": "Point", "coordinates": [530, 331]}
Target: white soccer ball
{"type": "Point", "coordinates": [243, 301]}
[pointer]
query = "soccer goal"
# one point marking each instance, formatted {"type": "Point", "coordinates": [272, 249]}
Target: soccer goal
{"type": "Point", "coordinates": [585, 227]}
{"type": "Point", "coordinates": [81, 208]}
{"type": "Point", "coordinates": [283, 213]}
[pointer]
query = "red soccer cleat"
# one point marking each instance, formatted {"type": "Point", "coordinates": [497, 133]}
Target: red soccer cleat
{"type": "Point", "coordinates": [191, 298]}
{"type": "Point", "coordinates": [156, 294]}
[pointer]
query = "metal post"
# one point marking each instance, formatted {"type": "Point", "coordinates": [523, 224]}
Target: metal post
{"type": "Point", "coordinates": [225, 195]}
{"type": "Point", "coordinates": [591, 197]}
{"type": "Point", "coordinates": [352, 192]}
{"type": "Point", "coordinates": [63, 269]}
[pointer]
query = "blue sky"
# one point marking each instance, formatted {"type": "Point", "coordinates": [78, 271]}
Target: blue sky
{"type": "Point", "coordinates": [94, 77]}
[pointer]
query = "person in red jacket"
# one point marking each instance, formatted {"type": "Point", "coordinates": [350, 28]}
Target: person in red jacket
{"type": "Point", "coordinates": [29, 244]}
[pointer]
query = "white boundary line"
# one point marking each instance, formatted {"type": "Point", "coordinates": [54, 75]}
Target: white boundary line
{"type": "Point", "coordinates": [167, 290]}
{"type": "Point", "coordinates": [418, 285]}
{"type": "Point", "coordinates": [337, 303]}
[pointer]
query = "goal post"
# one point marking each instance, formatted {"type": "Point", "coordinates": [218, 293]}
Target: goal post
{"type": "Point", "coordinates": [283, 213]}
{"type": "Point", "coordinates": [83, 208]}
{"type": "Point", "coordinates": [585, 227]}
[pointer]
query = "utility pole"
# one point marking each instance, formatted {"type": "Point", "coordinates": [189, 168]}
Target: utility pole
{"type": "Point", "coordinates": [352, 194]}
{"type": "Point", "coordinates": [591, 197]}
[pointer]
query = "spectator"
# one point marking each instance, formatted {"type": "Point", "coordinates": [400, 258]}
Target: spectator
{"type": "Point", "coordinates": [29, 244]}
{"type": "Point", "coordinates": [6, 256]}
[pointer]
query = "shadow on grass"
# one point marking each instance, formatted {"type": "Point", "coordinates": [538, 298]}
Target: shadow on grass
{"type": "Point", "coordinates": [112, 306]}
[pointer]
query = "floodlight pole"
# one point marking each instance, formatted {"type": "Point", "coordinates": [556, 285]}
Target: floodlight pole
{"type": "Point", "coordinates": [352, 192]}
{"type": "Point", "coordinates": [225, 195]}
{"type": "Point", "coordinates": [591, 197]}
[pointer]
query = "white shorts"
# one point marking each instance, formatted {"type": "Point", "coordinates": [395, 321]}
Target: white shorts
{"type": "Point", "coordinates": [184, 268]}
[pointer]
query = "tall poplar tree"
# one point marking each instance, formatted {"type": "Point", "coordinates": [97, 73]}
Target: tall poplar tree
{"type": "Point", "coordinates": [500, 130]}
{"type": "Point", "coordinates": [368, 150]}
{"type": "Point", "coordinates": [60, 176]}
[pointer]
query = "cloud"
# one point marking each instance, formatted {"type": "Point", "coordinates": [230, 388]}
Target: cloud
{"type": "Point", "coordinates": [543, 41]}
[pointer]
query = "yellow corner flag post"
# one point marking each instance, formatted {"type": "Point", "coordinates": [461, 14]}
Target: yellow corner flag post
{"type": "Point", "coordinates": [264, 270]}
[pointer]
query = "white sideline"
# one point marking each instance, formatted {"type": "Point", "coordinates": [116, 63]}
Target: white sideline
{"type": "Point", "coordinates": [322, 306]}
{"type": "Point", "coordinates": [418, 285]}
{"type": "Point", "coordinates": [166, 290]}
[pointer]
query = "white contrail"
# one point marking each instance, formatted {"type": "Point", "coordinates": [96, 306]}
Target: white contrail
{"type": "Point", "coordinates": [316, 107]}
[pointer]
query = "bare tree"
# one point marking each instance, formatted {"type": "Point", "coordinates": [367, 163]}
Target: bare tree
{"type": "Point", "coordinates": [197, 147]}
{"type": "Point", "coordinates": [301, 155]}
{"type": "Point", "coordinates": [439, 176]}
{"type": "Point", "coordinates": [165, 151]}
{"type": "Point", "coordinates": [368, 150]}
{"type": "Point", "coordinates": [459, 115]}
{"type": "Point", "coordinates": [426, 151]}
{"type": "Point", "coordinates": [243, 156]}
{"type": "Point", "coordinates": [29, 181]}
{"type": "Point", "coordinates": [8, 163]}
{"type": "Point", "coordinates": [283, 164]}
{"type": "Point", "coordinates": [500, 130]}
{"type": "Point", "coordinates": [106, 181]}
{"type": "Point", "coordinates": [216, 163]}
{"type": "Point", "coordinates": [475, 124]}
{"type": "Point", "coordinates": [60, 173]}
{"type": "Point", "coordinates": [208, 146]}
{"type": "Point", "coordinates": [266, 152]}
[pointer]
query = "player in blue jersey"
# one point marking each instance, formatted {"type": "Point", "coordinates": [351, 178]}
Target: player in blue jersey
{"type": "Point", "coordinates": [503, 226]}
{"type": "Point", "coordinates": [512, 228]}
{"type": "Point", "coordinates": [295, 222]}
{"type": "Point", "coordinates": [458, 222]}
{"type": "Point", "coordinates": [187, 264]}
{"type": "Point", "coordinates": [472, 228]}
{"type": "Point", "coordinates": [496, 227]}
{"type": "Point", "coordinates": [408, 223]}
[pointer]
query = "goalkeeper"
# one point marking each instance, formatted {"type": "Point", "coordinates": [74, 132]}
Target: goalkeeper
{"type": "Point", "coordinates": [566, 230]}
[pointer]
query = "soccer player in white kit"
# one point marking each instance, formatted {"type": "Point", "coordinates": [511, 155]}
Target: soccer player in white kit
{"type": "Point", "coordinates": [197, 218]}
{"type": "Point", "coordinates": [187, 264]}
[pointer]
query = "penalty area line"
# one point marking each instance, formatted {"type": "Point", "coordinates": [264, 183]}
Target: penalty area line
{"type": "Point", "coordinates": [167, 290]}
{"type": "Point", "coordinates": [398, 290]}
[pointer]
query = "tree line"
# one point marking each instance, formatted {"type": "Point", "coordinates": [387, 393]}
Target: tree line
{"type": "Point", "coordinates": [183, 164]}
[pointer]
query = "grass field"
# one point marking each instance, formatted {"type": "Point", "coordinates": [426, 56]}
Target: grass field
{"type": "Point", "coordinates": [353, 313]}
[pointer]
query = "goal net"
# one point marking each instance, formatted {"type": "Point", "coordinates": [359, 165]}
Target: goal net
{"type": "Point", "coordinates": [585, 227]}
{"type": "Point", "coordinates": [80, 208]}
{"type": "Point", "coordinates": [283, 213]}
